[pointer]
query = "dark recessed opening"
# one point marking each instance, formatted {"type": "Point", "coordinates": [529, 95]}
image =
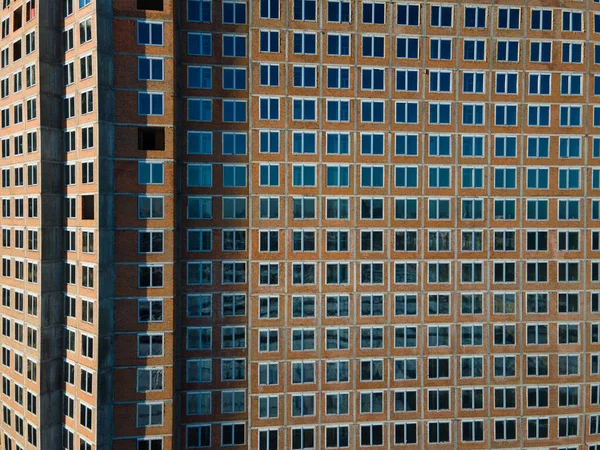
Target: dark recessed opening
{"type": "Point", "coordinates": [151, 138]}
{"type": "Point", "coordinates": [17, 50]}
{"type": "Point", "coordinates": [153, 5]}
{"type": "Point", "coordinates": [87, 207]}
{"type": "Point", "coordinates": [17, 19]}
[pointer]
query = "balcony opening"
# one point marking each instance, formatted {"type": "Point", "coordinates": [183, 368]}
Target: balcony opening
{"type": "Point", "coordinates": [152, 5]}
{"type": "Point", "coordinates": [151, 138]}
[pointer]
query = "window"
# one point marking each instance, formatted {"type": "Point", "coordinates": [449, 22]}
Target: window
{"type": "Point", "coordinates": [438, 432]}
{"type": "Point", "coordinates": [537, 334]}
{"type": "Point", "coordinates": [570, 84]}
{"type": "Point", "coordinates": [269, 42]}
{"type": "Point", "coordinates": [373, 13]}
{"type": "Point", "coordinates": [150, 276]}
{"type": "Point", "coordinates": [541, 19]}
{"type": "Point", "coordinates": [372, 176]}
{"type": "Point", "coordinates": [441, 16]}
{"type": "Point", "coordinates": [474, 50]}
{"type": "Point", "coordinates": [407, 48]}
{"type": "Point", "coordinates": [505, 178]}
{"type": "Point", "coordinates": [303, 273]}
{"type": "Point", "coordinates": [473, 82]}
{"type": "Point", "coordinates": [303, 306]}
{"type": "Point", "coordinates": [506, 115]}
{"type": "Point", "coordinates": [439, 209]}
{"type": "Point", "coordinates": [407, 15]}
{"type": "Point", "coordinates": [439, 145]}
{"type": "Point", "coordinates": [305, 76]}
{"type": "Point", "coordinates": [371, 435]}
{"type": "Point", "coordinates": [507, 51]}
{"type": "Point", "coordinates": [568, 426]}
{"type": "Point", "coordinates": [537, 272]}
{"type": "Point", "coordinates": [303, 208]}
{"type": "Point", "coordinates": [472, 146]}
{"type": "Point", "coordinates": [269, 9]}
{"type": "Point", "coordinates": [568, 178]}
{"type": "Point", "coordinates": [504, 209]}
{"type": "Point", "coordinates": [337, 372]}
{"type": "Point", "coordinates": [572, 21]}
{"type": "Point", "coordinates": [199, 10]}
{"type": "Point", "coordinates": [373, 46]}
{"type": "Point", "coordinates": [149, 414]}
{"type": "Point", "coordinates": [336, 241]}
{"type": "Point", "coordinates": [305, 109]}
{"type": "Point", "coordinates": [541, 52]}
{"type": "Point", "coordinates": [371, 208]}
{"type": "Point", "coordinates": [569, 147]}
{"type": "Point", "coordinates": [440, 81]}
{"type": "Point", "coordinates": [537, 178]}
{"type": "Point", "coordinates": [406, 209]}
{"type": "Point", "coordinates": [370, 144]}
{"type": "Point", "coordinates": [440, 49]}
{"type": "Point", "coordinates": [234, 46]}
{"type": "Point", "coordinates": [149, 33]}
{"type": "Point", "coordinates": [338, 44]}
{"type": "Point", "coordinates": [85, 33]}
{"type": "Point", "coordinates": [234, 12]}
{"type": "Point", "coordinates": [305, 43]}
{"type": "Point", "coordinates": [199, 44]}
{"type": "Point", "coordinates": [305, 10]}
{"type": "Point", "coordinates": [568, 210]}
{"type": "Point", "coordinates": [150, 345]}
{"type": "Point", "coordinates": [439, 177]}
{"type": "Point", "coordinates": [438, 399]}
{"type": "Point", "coordinates": [509, 18]}
{"type": "Point", "coordinates": [506, 82]}
{"type": "Point", "coordinates": [572, 53]}
{"type": "Point", "coordinates": [337, 306]}
{"type": "Point", "coordinates": [475, 17]}
{"type": "Point", "coordinates": [537, 209]}
{"type": "Point", "coordinates": [568, 333]}
{"type": "Point", "coordinates": [338, 11]}
{"type": "Point", "coordinates": [149, 103]}
{"type": "Point", "coordinates": [372, 111]}
{"type": "Point", "coordinates": [405, 337]}
{"type": "Point", "coordinates": [337, 176]}
{"type": "Point", "coordinates": [407, 80]}
{"type": "Point", "coordinates": [269, 75]}
{"type": "Point", "coordinates": [438, 272]}
{"type": "Point", "coordinates": [407, 112]}
{"type": "Point", "coordinates": [439, 113]}
{"type": "Point", "coordinates": [570, 116]}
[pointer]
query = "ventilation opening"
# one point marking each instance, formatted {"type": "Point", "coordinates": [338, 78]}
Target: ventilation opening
{"type": "Point", "coordinates": [151, 138]}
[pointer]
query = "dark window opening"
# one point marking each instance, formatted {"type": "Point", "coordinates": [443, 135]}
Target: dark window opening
{"type": "Point", "coordinates": [151, 138]}
{"type": "Point", "coordinates": [153, 5]}
{"type": "Point", "coordinates": [87, 207]}
{"type": "Point", "coordinates": [17, 50]}
{"type": "Point", "coordinates": [17, 19]}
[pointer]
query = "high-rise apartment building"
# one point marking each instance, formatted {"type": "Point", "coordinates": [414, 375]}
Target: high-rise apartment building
{"type": "Point", "coordinates": [300, 224]}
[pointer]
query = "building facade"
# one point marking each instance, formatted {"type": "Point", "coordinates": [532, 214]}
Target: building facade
{"type": "Point", "coordinates": [300, 224]}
